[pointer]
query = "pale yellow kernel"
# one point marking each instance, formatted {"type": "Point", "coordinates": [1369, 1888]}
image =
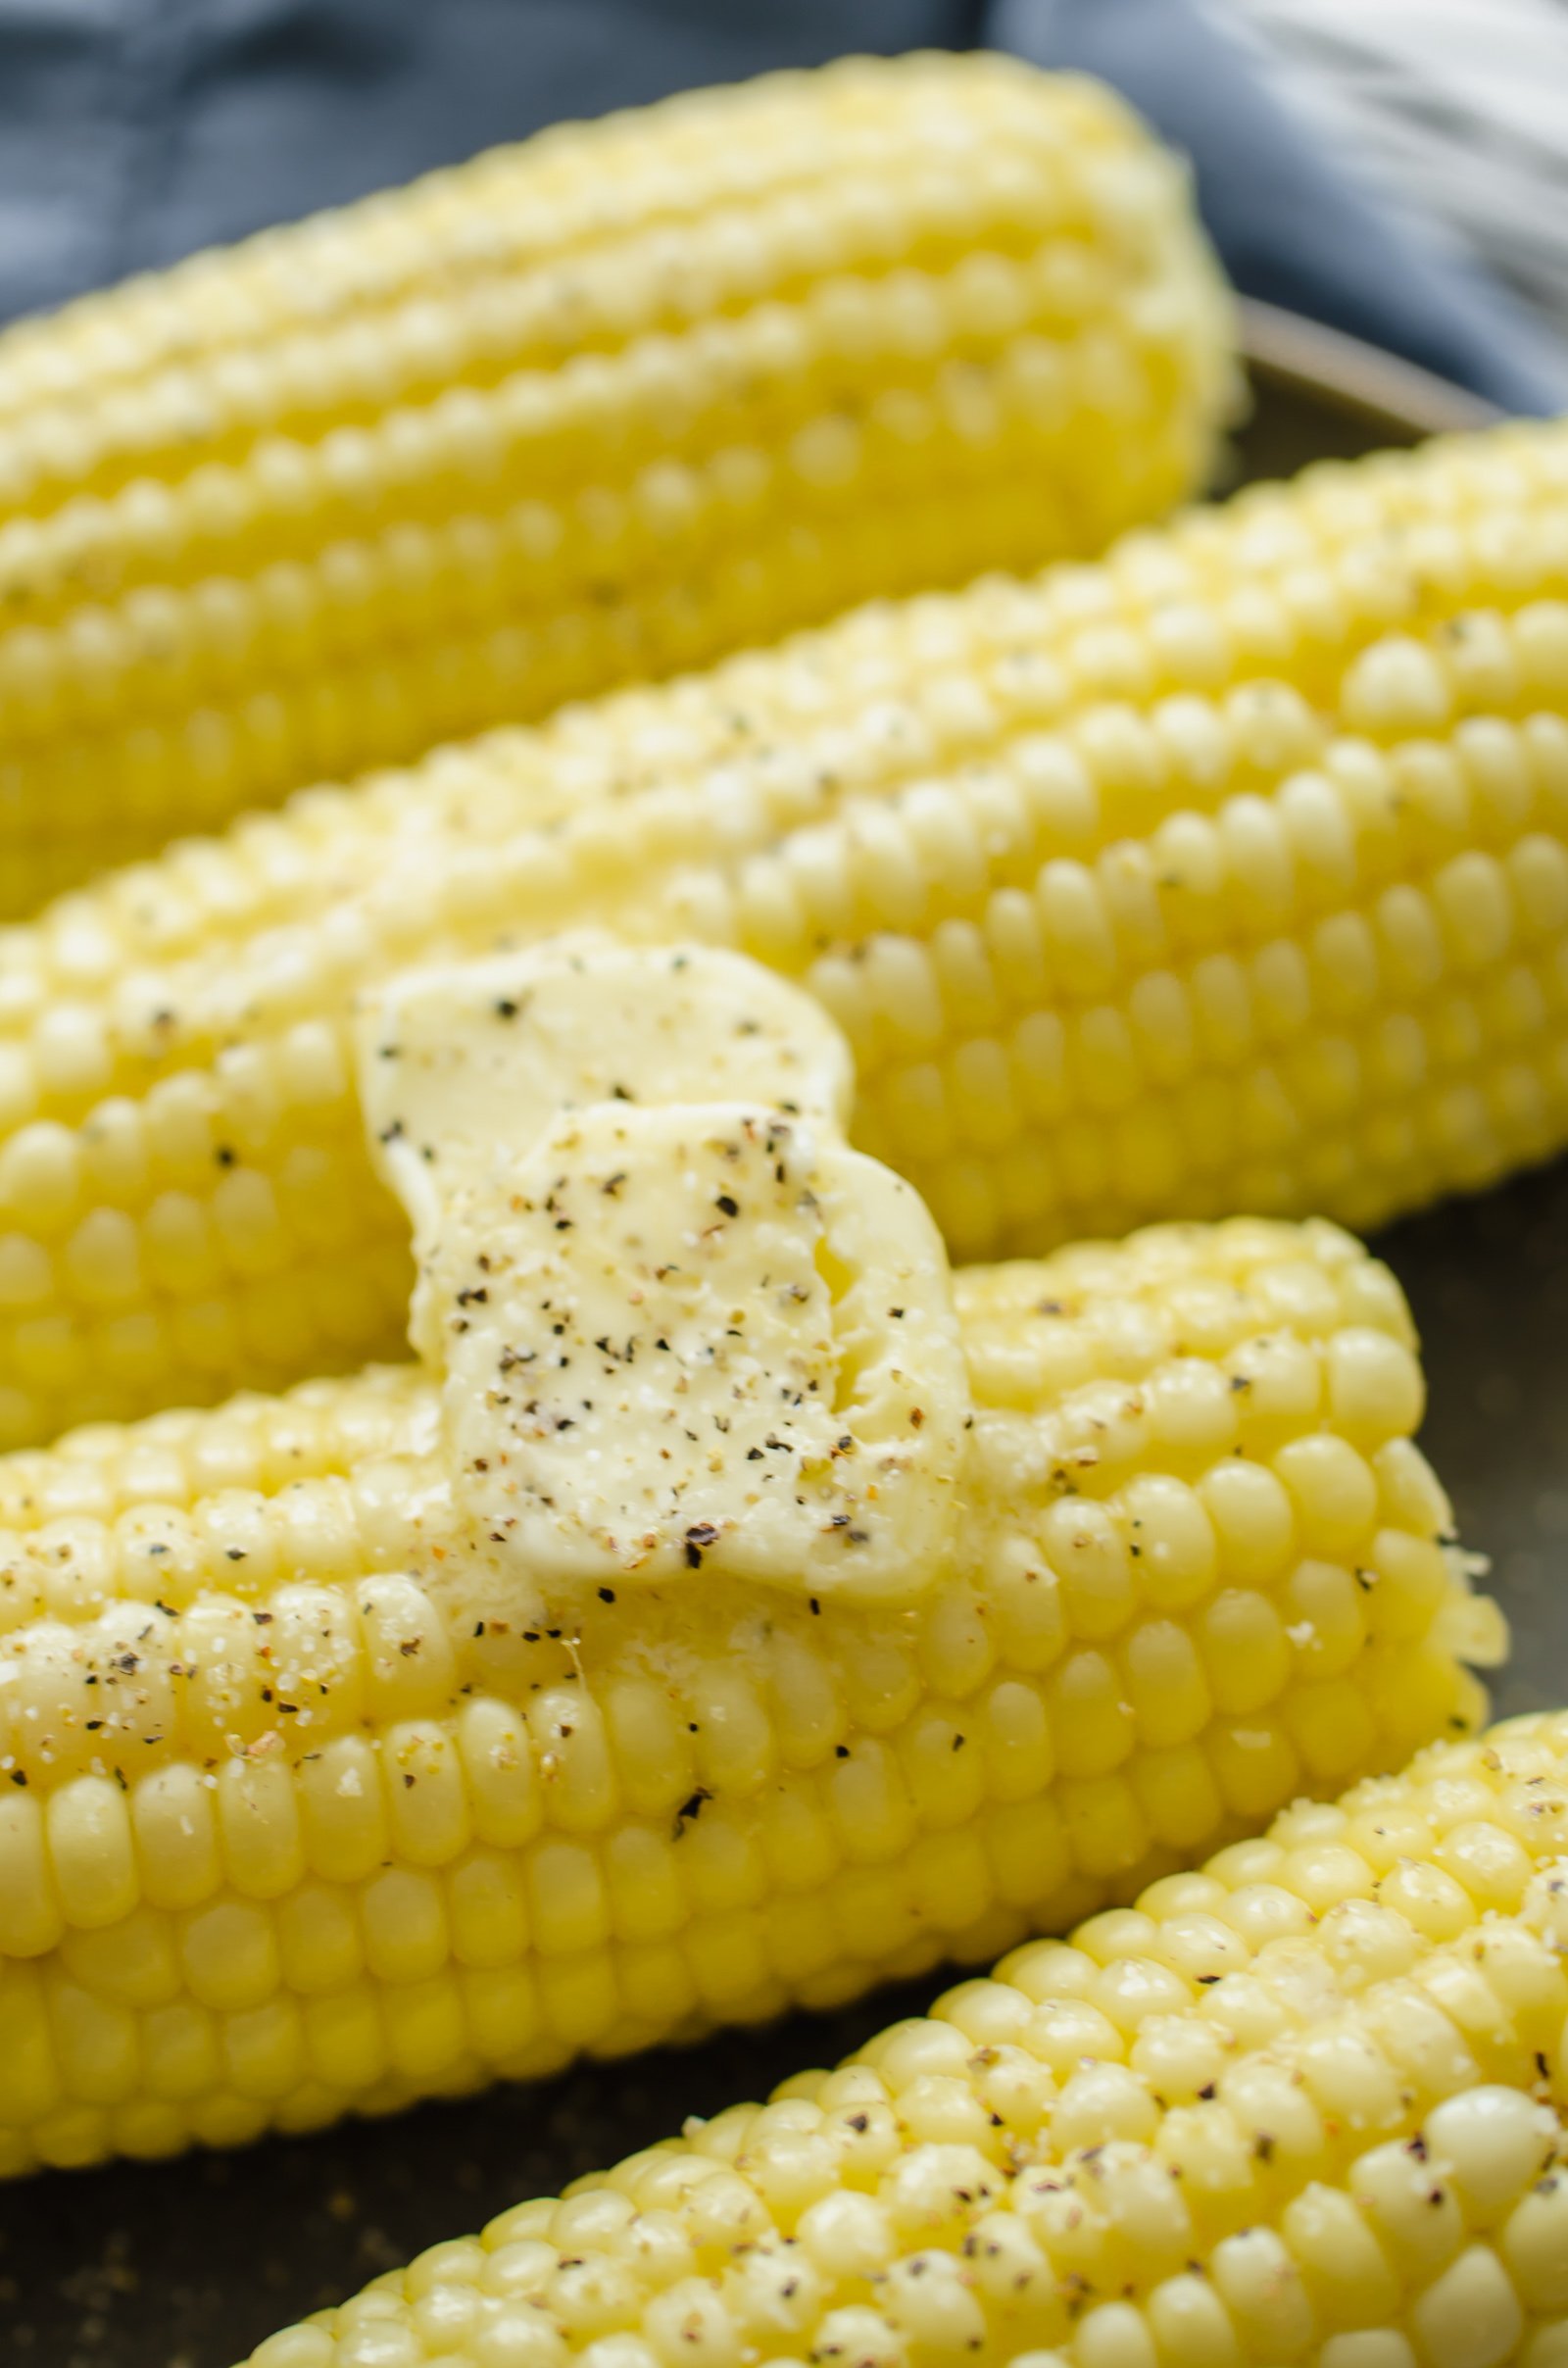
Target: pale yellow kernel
{"type": "Point", "coordinates": [499, 1772]}
{"type": "Point", "coordinates": [927, 2297]}
{"type": "Point", "coordinates": [1323, 1609]}
{"type": "Point", "coordinates": [1394, 690]}
{"type": "Point", "coordinates": [403, 1920]}
{"type": "Point", "coordinates": [30, 1912]}
{"type": "Point", "coordinates": [298, 2347]}
{"type": "Point", "coordinates": [259, 1826]}
{"type": "Point", "coordinates": [1532, 2248]}
{"type": "Point", "coordinates": [857, 2333]}
{"type": "Point", "coordinates": [1333, 1490]}
{"type": "Point", "coordinates": [1253, 1518]}
{"type": "Point", "coordinates": [882, 1682]}
{"type": "Point", "coordinates": [1375, 1389]}
{"type": "Point", "coordinates": [1110, 2334]}
{"type": "Point", "coordinates": [409, 1665]}
{"type": "Point", "coordinates": [91, 1852]}
{"type": "Point", "coordinates": [1170, 1539]}
{"type": "Point", "coordinates": [1413, 1580]}
{"type": "Point", "coordinates": [229, 1955]}
{"type": "Point", "coordinates": [1190, 2324]}
{"type": "Point", "coordinates": [318, 1937]}
{"type": "Point", "coordinates": [1193, 1411]}
{"type": "Point", "coordinates": [1493, 1867]}
{"type": "Point", "coordinates": [1091, 1723]}
{"type": "Point", "coordinates": [1102, 2102]}
{"type": "Point", "coordinates": [1493, 2142]}
{"type": "Point", "coordinates": [1085, 1549]}
{"type": "Point", "coordinates": [1368, 2347]}
{"type": "Point", "coordinates": [40, 1179]}
{"type": "Point", "coordinates": [1333, 1727]}
{"type": "Point", "coordinates": [1166, 1684]}
{"type": "Point", "coordinates": [427, 1803]}
{"type": "Point", "coordinates": [1432, 1902]}
{"type": "Point", "coordinates": [806, 1709]}
{"type": "Point", "coordinates": [343, 1818]}
{"type": "Point", "coordinates": [174, 1818]}
{"type": "Point", "coordinates": [1416, 2216]}
{"type": "Point", "coordinates": [1470, 2316]}
{"type": "Point", "coordinates": [956, 1649]}
{"type": "Point", "coordinates": [1104, 1826]}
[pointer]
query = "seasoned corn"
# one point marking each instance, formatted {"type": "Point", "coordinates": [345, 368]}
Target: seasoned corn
{"type": "Point", "coordinates": [591, 408]}
{"type": "Point", "coordinates": [1230, 874]}
{"type": "Point", "coordinates": [1309, 2105]}
{"type": "Point", "coordinates": [341, 1764]}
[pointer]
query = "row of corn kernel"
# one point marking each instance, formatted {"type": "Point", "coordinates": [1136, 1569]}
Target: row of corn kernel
{"type": "Point", "coordinates": [496, 1964]}
{"type": "Point", "coordinates": [115, 1513]}
{"type": "Point", "coordinates": [929, 340]}
{"type": "Point", "coordinates": [1178, 1578]}
{"type": "Point", "coordinates": [1041, 841]}
{"type": "Point", "coordinates": [251, 1444]}
{"type": "Point", "coordinates": [1002, 1083]}
{"type": "Point", "coordinates": [523, 256]}
{"type": "Point", "coordinates": [1280, 582]}
{"type": "Point", "coordinates": [1109, 775]}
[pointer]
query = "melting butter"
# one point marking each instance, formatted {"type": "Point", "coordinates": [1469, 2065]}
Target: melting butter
{"type": "Point", "coordinates": [683, 1331]}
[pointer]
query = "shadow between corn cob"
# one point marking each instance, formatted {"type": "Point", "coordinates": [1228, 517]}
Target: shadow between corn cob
{"type": "Point", "coordinates": [1305, 2104]}
{"type": "Point", "coordinates": [589, 408]}
{"type": "Point", "coordinates": [311, 1801]}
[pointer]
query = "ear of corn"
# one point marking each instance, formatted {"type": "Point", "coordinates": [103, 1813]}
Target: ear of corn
{"type": "Point", "coordinates": [1230, 873]}
{"type": "Point", "coordinates": [1309, 2104]}
{"type": "Point", "coordinates": [282, 1836]}
{"type": "Point", "coordinates": [591, 408]}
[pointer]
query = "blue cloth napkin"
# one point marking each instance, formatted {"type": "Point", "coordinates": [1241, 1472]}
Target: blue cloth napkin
{"type": "Point", "coordinates": [134, 130]}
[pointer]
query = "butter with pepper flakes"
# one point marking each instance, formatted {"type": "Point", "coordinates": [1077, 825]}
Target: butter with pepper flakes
{"type": "Point", "coordinates": [681, 1327]}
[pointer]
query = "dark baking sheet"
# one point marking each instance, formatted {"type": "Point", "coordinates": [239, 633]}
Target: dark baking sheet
{"type": "Point", "coordinates": [189, 2264]}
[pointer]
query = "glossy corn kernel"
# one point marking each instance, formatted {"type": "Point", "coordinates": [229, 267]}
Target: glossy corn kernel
{"type": "Point", "coordinates": [1232, 872]}
{"type": "Point", "coordinates": [279, 1839]}
{"type": "Point", "coordinates": [588, 408]}
{"type": "Point", "coordinates": [1308, 2104]}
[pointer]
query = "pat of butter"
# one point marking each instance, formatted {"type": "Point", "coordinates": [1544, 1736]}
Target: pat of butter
{"type": "Point", "coordinates": [464, 1065]}
{"type": "Point", "coordinates": [683, 1328]}
{"type": "Point", "coordinates": [696, 1338]}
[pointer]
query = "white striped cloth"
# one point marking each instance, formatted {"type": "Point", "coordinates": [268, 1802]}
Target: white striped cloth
{"type": "Point", "coordinates": [1455, 108]}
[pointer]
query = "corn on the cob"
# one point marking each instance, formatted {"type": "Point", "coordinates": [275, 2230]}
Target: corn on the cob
{"type": "Point", "coordinates": [596, 407]}
{"type": "Point", "coordinates": [354, 1747]}
{"type": "Point", "coordinates": [1230, 874]}
{"type": "Point", "coordinates": [1307, 2105]}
